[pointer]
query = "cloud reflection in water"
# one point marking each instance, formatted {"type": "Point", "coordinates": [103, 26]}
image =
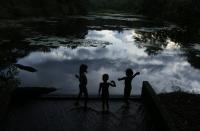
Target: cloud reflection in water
{"type": "Point", "coordinates": [165, 70]}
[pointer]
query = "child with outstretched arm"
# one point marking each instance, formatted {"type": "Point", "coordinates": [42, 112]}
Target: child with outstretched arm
{"type": "Point", "coordinates": [127, 82]}
{"type": "Point", "coordinates": [104, 92]}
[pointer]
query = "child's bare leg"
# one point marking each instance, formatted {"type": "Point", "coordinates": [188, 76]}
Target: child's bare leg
{"type": "Point", "coordinates": [78, 98]}
{"type": "Point", "coordinates": [107, 104]}
{"type": "Point", "coordinates": [103, 104]}
{"type": "Point", "coordinates": [127, 102]}
{"type": "Point", "coordinates": [126, 96]}
{"type": "Point", "coordinates": [127, 99]}
{"type": "Point", "coordinates": [86, 98]}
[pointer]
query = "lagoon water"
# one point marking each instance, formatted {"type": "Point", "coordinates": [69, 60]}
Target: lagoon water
{"type": "Point", "coordinates": [109, 43]}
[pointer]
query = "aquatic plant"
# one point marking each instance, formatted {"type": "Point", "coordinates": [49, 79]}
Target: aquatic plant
{"type": "Point", "coordinates": [8, 82]}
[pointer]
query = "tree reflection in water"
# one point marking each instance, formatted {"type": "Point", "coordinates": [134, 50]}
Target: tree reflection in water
{"type": "Point", "coordinates": [101, 40]}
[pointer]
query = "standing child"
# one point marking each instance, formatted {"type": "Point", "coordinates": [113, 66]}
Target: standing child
{"type": "Point", "coordinates": [103, 87]}
{"type": "Point", "coordinates": [128, 79]}
{"type": "Point", "coordinates": [82, 83]}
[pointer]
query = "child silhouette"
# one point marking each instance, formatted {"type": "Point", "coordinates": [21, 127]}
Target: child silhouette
{"type": "Point", "coordinates": [128, 79]}
{"type": "Point", "coordinates": [82, 83]}
{"type": "Point", "coordinates": [103, 87]}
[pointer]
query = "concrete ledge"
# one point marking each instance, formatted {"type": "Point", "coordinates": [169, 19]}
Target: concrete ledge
{"type": "Point", "coordinates": [73, 97]}
{"type": "Point", "coordinates": [157, 117]}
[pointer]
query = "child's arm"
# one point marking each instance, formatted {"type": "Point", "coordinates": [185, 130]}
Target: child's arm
{"type": "Point", "coordinates": [123, 78]}
{"type": "Point", "coordinates": [135, 74]}
{"type": "Point", "coordinates": [112, 83]}
{"type": "Point", "coordinates": [100, 89]}
{"type": "Point", "coordinates": [77, 76]}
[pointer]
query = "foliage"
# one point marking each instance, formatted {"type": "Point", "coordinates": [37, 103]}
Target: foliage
{"type": "Point", "coordinates": [8, 79]}
{"type": "Point", "coordinates": [119, 5]}
{"type": "Point", "coordinates": [182, 11]}
{"type": "Point", "coordinates": [186, 12]}
{"type": "Point", "coordinates": [39, 8]}
{"type": "Point", "coordinates": [8, 83]}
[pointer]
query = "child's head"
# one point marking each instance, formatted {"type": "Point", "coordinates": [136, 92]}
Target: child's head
{"type": "Point", "coordinates": [83, 68]}
{"type": "Point", "coordinates": [105, 77]}
{"type": "Point", "coordinates": [129, 72]}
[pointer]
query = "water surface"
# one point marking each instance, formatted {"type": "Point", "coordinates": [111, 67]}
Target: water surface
{"type": "Point", "coordinates": [109, 44]}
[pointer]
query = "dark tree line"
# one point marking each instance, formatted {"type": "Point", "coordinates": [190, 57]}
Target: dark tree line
{"type": "Point", "coordinates": [37, 8]}
{"type": "Point", "coordinates": [186, 12]}
{"type": "Point", "coordinates": [182, 11]}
